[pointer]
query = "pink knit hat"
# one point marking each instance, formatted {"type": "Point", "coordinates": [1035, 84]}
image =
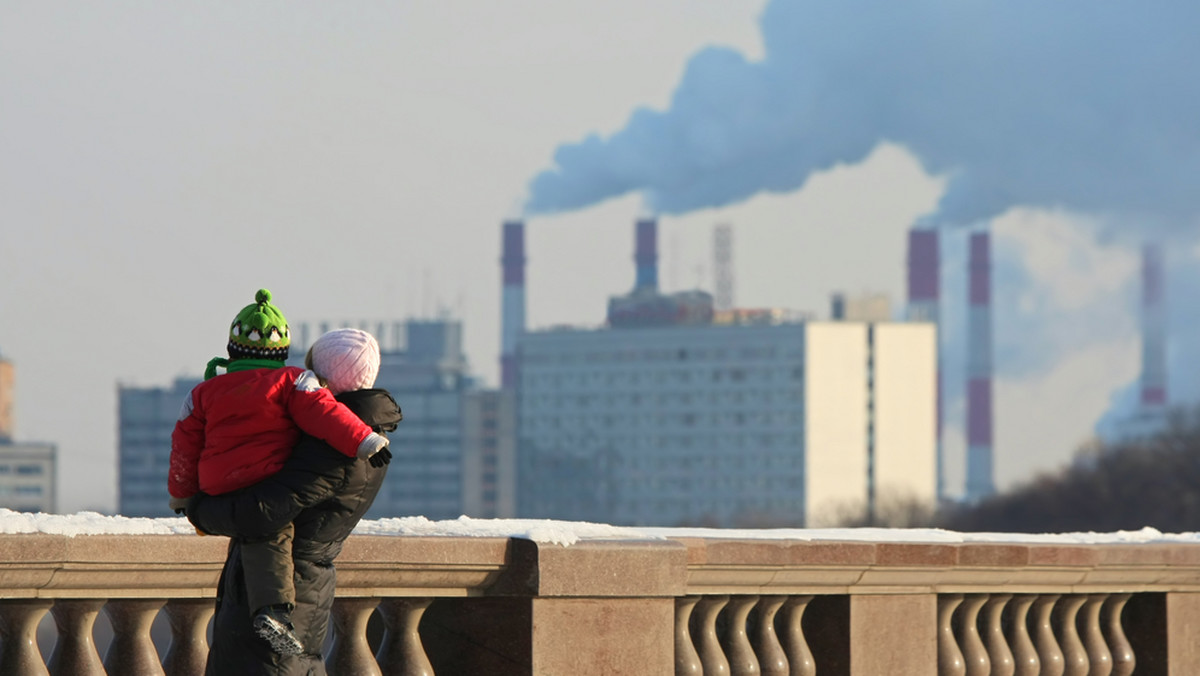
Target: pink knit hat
{"type": "Point", "coordinates": [346, 359]}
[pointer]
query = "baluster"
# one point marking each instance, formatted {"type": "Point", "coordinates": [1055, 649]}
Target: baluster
{"type": "Point", "coordinates": [997, 646]}
{"type": "Point", "coordinates": [975, 656]}
{"type": "Point", "coordinates": [742, 661]}
{"type": "Point", "coordinates": [1025, 657]}
{"type": "Point", "coordinates": [1098, 654]}
{"type": "Point", "coordinates": [402, 651]}
{"type": "Point", "coordinates": [711, 655]}
{"type": "Point", "coordinates": [188, 652]}
{"type": "Point", "coordinates": [950, 658]}
{"type": "Point", "coordinates": [771, 658]}
{"type": "Point", "coordinates": [687, 662]}
{"type": "Point", "coordinates": [1122, 653]}
{"type": "Point", "coordinates": [800, 658]}
{"type": "Point", "coordinates": [1048, 651]}
{"type": "Point", "coordinates": [75, 650]}
{"type": "Point", "coordinates": [19, 654]}
{"type": "Point", "coordinates": [351, 654]}
{"type": "Point", "coordinates": [131, 652]}
{"type": "Point", "coordinates": [1075, 658]}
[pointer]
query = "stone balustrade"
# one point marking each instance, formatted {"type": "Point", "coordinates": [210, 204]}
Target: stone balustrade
{"type": "Point", "coordinates": [501, 606]}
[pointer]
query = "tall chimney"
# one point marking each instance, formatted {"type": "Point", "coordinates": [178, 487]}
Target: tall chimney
{"type": "Point", "coordinates": [723, 267]}
{"type": "Point", "coordinates": [512, 312]}
{"type": "Point", "coordinates": [924, 266]}
{"type": "Point", "coordinates": [1154, 328]}
{"type": "Point", "coordinates": [646, 254]}
{"type": "Point", "coordinates": [980, 482]}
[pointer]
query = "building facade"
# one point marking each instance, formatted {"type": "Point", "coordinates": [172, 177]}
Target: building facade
{"type": "Point", "coordinates": [793, 423]}
{"type": "Point", "coordinates": [489, 452]}
{"type": "Point", "coordinates": [146, 417]}
{"type": "Point", "coordinates": [28, 476]}
{"type": "Point", "coordinates": [28, 470]}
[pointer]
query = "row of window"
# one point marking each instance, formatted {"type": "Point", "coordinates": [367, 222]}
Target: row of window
{"type": "Point", "coordinates": [659, 422]}
{"type": "Point", "coordinates": [659, 354]}
{"type": "Point", "coordinates": [755, 482]}
{"type": "Point", "coordinates": [22, 490]}
{"type": "Point", "coordinates": [680, 465]}
{"type": "Point", "coordinates": [534, 403]}
{"type": "Point", "coordinates": [532, 378]}
{"type": "Point", "coordinates": [23, 470]}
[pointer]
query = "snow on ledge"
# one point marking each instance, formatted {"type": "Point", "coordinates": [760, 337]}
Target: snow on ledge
{"type": "Point", "coordinates": [569, 532]}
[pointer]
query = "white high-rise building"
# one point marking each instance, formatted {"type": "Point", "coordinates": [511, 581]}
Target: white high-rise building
{"type": "Point", "coordinates": [793, 423]}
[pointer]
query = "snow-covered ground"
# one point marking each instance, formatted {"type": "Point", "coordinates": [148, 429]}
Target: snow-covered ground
{"type": "Point", "coordinates": [569, 532]}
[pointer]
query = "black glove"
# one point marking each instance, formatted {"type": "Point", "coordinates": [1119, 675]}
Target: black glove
{"type": "Point", "coordinates": [382, 457]}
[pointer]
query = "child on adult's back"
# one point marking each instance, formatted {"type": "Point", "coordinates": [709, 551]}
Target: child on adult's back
{"type": "Point", "coordinates": [322, 494]}
{"type": "Point", "coordinates": [237, 428]}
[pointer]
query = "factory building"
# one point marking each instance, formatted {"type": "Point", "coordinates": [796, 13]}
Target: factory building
{"type": "Point", "coordinates": [675, 414]}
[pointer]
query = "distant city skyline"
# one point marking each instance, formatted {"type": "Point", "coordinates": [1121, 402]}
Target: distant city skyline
{"type": "Point", "coordinates": [157, 166]}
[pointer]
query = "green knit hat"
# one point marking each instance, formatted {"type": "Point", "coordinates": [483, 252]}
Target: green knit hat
{"type": "Point", "coordinates": [259, 331]}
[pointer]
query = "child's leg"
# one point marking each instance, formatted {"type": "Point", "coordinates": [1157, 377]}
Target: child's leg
{"type": "Point", "coordinates": [268, 568]}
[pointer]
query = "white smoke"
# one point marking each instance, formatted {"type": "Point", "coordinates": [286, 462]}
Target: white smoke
{"type": "Point", "coordinates": [1081, 105]}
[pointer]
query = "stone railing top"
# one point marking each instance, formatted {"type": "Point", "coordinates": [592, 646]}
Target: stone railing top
{"type": "Point", "coordinates": [782, 566]}
{"type": "Point", "coordinates": [174, 566]}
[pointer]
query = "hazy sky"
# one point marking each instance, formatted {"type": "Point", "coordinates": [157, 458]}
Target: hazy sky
{"type": "Point", "coordinates": [161, 161]}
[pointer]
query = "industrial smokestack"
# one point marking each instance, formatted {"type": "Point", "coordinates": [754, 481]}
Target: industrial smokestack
{"type": "Point", "coordinates": [924, 269]}
{"type": "Point", "coordinates": [1154, 329]}
{"type": "Point", "coordinates": [646, 255]}
{"type": "Point", "coordinates": [980, 482]}
{"type": "Point", "coordinates": [512, 317]}
{"type": "Point", "coordinates": [923, 265]}
{"type": "Point", "coordinates": [723, 267]}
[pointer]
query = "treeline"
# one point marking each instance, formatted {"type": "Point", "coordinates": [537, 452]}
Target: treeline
{"type": "Point", "coordinates": [1153, 481]}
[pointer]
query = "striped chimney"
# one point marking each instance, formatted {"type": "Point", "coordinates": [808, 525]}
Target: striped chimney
{"type": "Point", "coordinates": [980, 481]}
{"type": "Point", "coordinates": [924, 265]}
{"type": "Point", "coordinates": [512, 312]}
{"type": "Point", "coordinates": [646, 254]}
{"type": "Point", "coordinates": [1154, 328]}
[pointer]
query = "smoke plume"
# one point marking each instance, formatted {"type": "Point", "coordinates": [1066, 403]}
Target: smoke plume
{"type": "Point", "coordinates": [1078, 105]}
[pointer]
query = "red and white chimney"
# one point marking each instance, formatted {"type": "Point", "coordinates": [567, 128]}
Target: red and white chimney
{"type": "Point", "coordinates": [1154, 329]}
{"type": "Point", "coordinates": [924, 261]}
{"type": "Point", "coordinates": [645, 255]}
{"type": "Point", "coordinates": [512, 311]}
{"type": "Point", "coordinates": [924, 271]}
{"type": "Point", "coordinates": [980, 481]}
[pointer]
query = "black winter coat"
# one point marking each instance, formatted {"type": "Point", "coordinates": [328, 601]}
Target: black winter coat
{"type": "Point", "coordinates": [324, 494]}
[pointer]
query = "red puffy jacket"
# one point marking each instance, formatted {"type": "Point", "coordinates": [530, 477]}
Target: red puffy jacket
{"type": "Point", "coordinates": [238, 428]}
